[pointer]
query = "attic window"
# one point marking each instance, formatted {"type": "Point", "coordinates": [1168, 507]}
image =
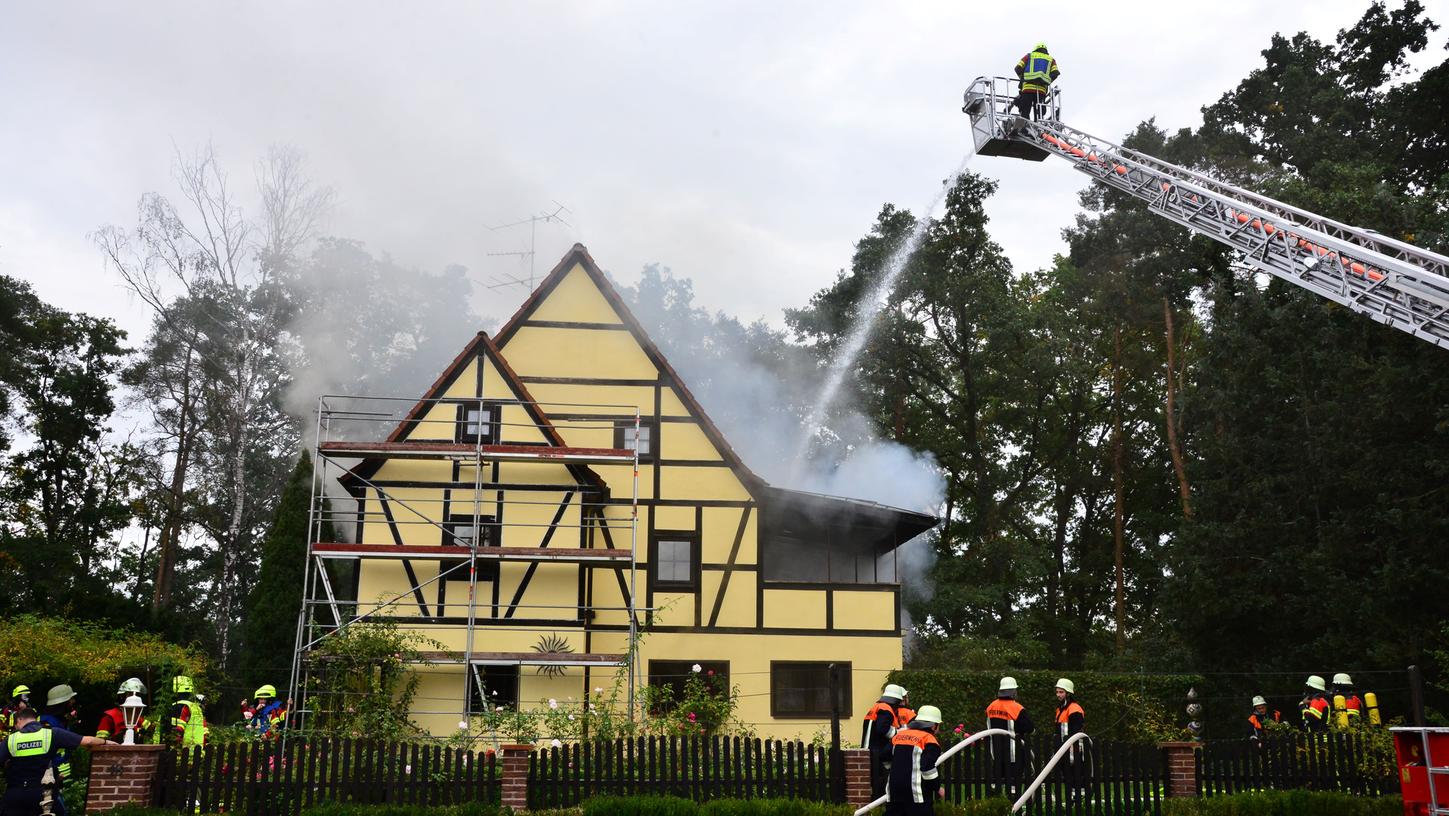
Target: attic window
{"type": "Point", "coordinates": [478, 422]}
{"type": "Point", "coordinates": [624, 438]}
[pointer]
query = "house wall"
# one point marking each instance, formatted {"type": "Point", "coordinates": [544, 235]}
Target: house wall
{"type": "Point", "coordinates": [575, 348]}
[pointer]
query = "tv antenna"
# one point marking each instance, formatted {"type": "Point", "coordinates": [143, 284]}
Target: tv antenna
{"type": "Point", "coordinates": [502, 281]}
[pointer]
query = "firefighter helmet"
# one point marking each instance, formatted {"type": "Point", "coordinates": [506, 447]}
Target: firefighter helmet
{"type": "Point", "coordinates": [268, 690]}
{"type": "Point", "coordinates": [1342, 679]}
{"type": "Point", "coordinates": [1315, 682]}
{"type": "Point", "coordinates": [59, 694]}
{"type": "Point", "coordinates": [929, 714]}
{"type": "Point", "coordinates": [1066, 685]}
{"type": "Point", "coordinates": [1259, 701]}
{"type": "Point", "coordinates": [20, 690]}
{"type": "Point", "coordinates": [132, 686]}
{"type": "Point", "coordinates": [895, 691]}
{"type": "Point", "coordinates": [181, 684]}
{"type": "Point", "coordinates": [1007, 684]}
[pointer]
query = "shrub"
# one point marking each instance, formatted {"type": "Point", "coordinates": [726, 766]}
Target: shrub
{"type": "Point", "coordinates": [351, 809]}
{"type": "Point", "coordinates": [1285, 803]}
{"type": "Point", "coordinates": [639, 806]}
{"type": "Point", "coordinates": [1119, 706]}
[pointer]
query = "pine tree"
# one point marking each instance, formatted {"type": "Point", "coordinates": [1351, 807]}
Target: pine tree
{"type": "Point", "coordinates": [276, 598]}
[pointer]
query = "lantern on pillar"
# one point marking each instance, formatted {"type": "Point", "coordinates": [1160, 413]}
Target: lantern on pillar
{"type": "Point", "coordinates": [131, 710]}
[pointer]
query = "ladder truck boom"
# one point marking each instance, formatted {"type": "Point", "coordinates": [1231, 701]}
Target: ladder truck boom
{"type": "Point", "coordinates": [1391, 281]}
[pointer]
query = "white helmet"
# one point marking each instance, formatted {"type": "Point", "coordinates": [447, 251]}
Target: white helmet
{"type": "Point", "coordinates": [133, 685]}
{"type": "Point", "coordinates": [1341, 679]}
{"type": "Point", "coordinates": [1066, 685]}
{"type": "Point", "coordinates": [895, 691]}
{"type": "Point", "coordinates": [1259, 701]}
{"type": "Point", "coordinates": [1007, 684]}
{"type": "Point", "coordinates": [1314, 682]}
{"type": "Point", "coordinates": [929, 714]}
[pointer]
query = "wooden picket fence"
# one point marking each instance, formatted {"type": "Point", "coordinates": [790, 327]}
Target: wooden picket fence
{"type": "Point", "coordinates": [1335, 761]}
{"type": "Point", "coordinates": [1110, 777]}
{"type": "Point", "coordinates": [274, 777]}
{"type": "Point", "coordinates": [698, 768]}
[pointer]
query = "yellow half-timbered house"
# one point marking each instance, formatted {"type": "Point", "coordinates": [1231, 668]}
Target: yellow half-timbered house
{"type": "Point", "coordinates": [517, 481]}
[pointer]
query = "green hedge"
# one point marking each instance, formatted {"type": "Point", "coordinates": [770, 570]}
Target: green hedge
{"type": "Point", "coordinates": [1286, 803]}
{"type": "Point", "coordinates": [349, 809]}
{"type": "Point", "coordinates": [670, 806]}
{"type": "Point", "coordinates": [1140, 708]}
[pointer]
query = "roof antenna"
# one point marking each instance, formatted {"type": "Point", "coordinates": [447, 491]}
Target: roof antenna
{"type": "Point", "coordinates": [502, 281]}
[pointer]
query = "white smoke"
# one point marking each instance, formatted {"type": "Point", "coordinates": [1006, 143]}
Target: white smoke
{"type": "Point", "coordinates": [758, 390]}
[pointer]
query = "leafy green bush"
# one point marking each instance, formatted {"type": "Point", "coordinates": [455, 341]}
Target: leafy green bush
{"type": "Point", "coordinates": [1119, 706]}
{"type": "Point", "coordinates": [349, 809]}
{"type": "Point", "coordinates": [772, 807]}
{"type": "Point", "coordinates": [975, 807]}
{"type": "Point", "coordinates": [1285, 803]}
{"type": "Point", "coordinates": [639, 806]}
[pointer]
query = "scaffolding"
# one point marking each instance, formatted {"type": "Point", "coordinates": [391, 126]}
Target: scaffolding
{"type": "Point", "coordinates": [482, 434]}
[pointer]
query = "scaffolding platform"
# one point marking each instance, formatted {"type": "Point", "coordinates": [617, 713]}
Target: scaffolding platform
{"type": "Point", "coordinates": [564, 555]}
{"type": "Point", "coordinates": [523, 659]}
{"type": "Point", "coordinates": [466, 450]}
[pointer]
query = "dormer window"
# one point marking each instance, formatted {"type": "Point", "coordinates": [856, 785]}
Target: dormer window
{"type": "Point", "coordinates": [624, 438]}
{"type": "Point", "coordinates": [478, 422]}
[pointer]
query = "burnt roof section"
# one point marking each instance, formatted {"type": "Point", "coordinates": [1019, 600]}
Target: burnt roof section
{"type": "Point", "coordinates": [480, 347]}
{"type": "Point", "coordinates": [904, 524]}
{"type": "Point", "coordinates": [580, 255]}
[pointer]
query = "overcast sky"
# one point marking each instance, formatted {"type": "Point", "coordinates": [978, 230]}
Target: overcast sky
{"type": "Point", "coordinates": [747, 145]}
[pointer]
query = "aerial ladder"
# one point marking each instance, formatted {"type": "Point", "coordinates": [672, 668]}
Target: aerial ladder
{"type": "Point", "coordinates": [1391, 281]}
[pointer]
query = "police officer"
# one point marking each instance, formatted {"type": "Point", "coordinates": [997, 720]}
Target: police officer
{"type": "Point", "coordinates": [19, 699]}
{"type": "Point", "coordinates": [113, 723]}
{"type": "Point", "coordinates": [188, 721]}
{"type": "Point", "coordinates": [1314, 707]}
{"type": "Point", "coordinates": [1007, 758]}
{"type": "Point", "coordinates": [271, 714]}
{"type": "Point", "coordinates": [880, 726]}
{"type": "Point", "coordinates": [32, 785]}
{"type": "Point", "coordinates": [914, 780]}
{"type": "Point", "coordinates": [1260, 717]}
{"type": "Point", "coordinates": [1037, 71]}
{"type": "Point", "coordinates": [1072, 719]}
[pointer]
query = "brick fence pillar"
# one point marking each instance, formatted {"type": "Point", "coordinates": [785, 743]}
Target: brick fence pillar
{"type": "Point", "coordinates": [1181, 767]}
{"type": "Point", "coordinates": [857, 776]}
{"type": "Point", "coordinates": [513, 775]}
{"type": "Point", "coordinates": [121, 774]}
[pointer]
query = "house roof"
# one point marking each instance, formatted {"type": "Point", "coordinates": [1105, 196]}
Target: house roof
{"type": "Point", "coordinates": [480, 346]}
{"type": "Point", "coordinates": [579, 256]}
{"type": "Point", "coordinates": [903, 524]}
{"type": "Point", "coordinates": [904, 520]}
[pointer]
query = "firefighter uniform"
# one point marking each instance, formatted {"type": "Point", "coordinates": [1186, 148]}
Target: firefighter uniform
{"type": "Point", "coordinates": [1037, 71]}
{"type": "Point", "coordinates": [1008, 758]}
{"type": "Point", "coordinates": [187, 720]}
{"type": "Point", "coordinates": [1346, 701]}
{"type": "Point", "coordinates": [271, 713]}
{"type": "Point", "coordinates": [112, 724]}
{"type": "Point", "coordinates": [32, 783]}
{"type": "Point", "coordinates": [1072, 719]}
{"type": "Point", "coordinates": [19, 699]}
{"type": "Point", "coordinates": [914, 778]}
{"type": "Point", "coordinates": [1315, 708]}
{"type": "Point", "coordinates": [879, 727]}
{"type": "Point", "coordinates": [1259, 718]}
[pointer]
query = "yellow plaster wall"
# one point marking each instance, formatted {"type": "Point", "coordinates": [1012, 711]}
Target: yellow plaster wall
{"type": "Point", "coordinates": [864, 610]}
{"type": "Point", "coordinates": [577, 299]}
{"type": "Point", "coordinates": [795, 608]}
{"type": "Point", "coordinates": [558, 352]}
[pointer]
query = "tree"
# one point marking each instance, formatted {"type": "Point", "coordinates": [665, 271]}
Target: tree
{"type": "Point", "coordinates": [214, 375]}
{"type": "Point", "coordinates": [65, 496]}
{"type": "Point", "coordinates": [1321, 436]}
{"type": "Point", "coordinates": [272, 607]}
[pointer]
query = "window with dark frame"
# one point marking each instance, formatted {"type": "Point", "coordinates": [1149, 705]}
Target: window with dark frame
{"type": "Point", "coordinates": [459, 531]}
{"type": "Point", "coordinates": [801, 690]}
{"type": "Point", "coordinates": [499, 688]}
{"type": "Point", "coordinates": [673, 674]}
{"type": "Point", "coordinates": [672, 563]}
{"type": "Point", "coordinates": [478, 422]}
{"type": "Point", "coordinates": [624, 437]}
